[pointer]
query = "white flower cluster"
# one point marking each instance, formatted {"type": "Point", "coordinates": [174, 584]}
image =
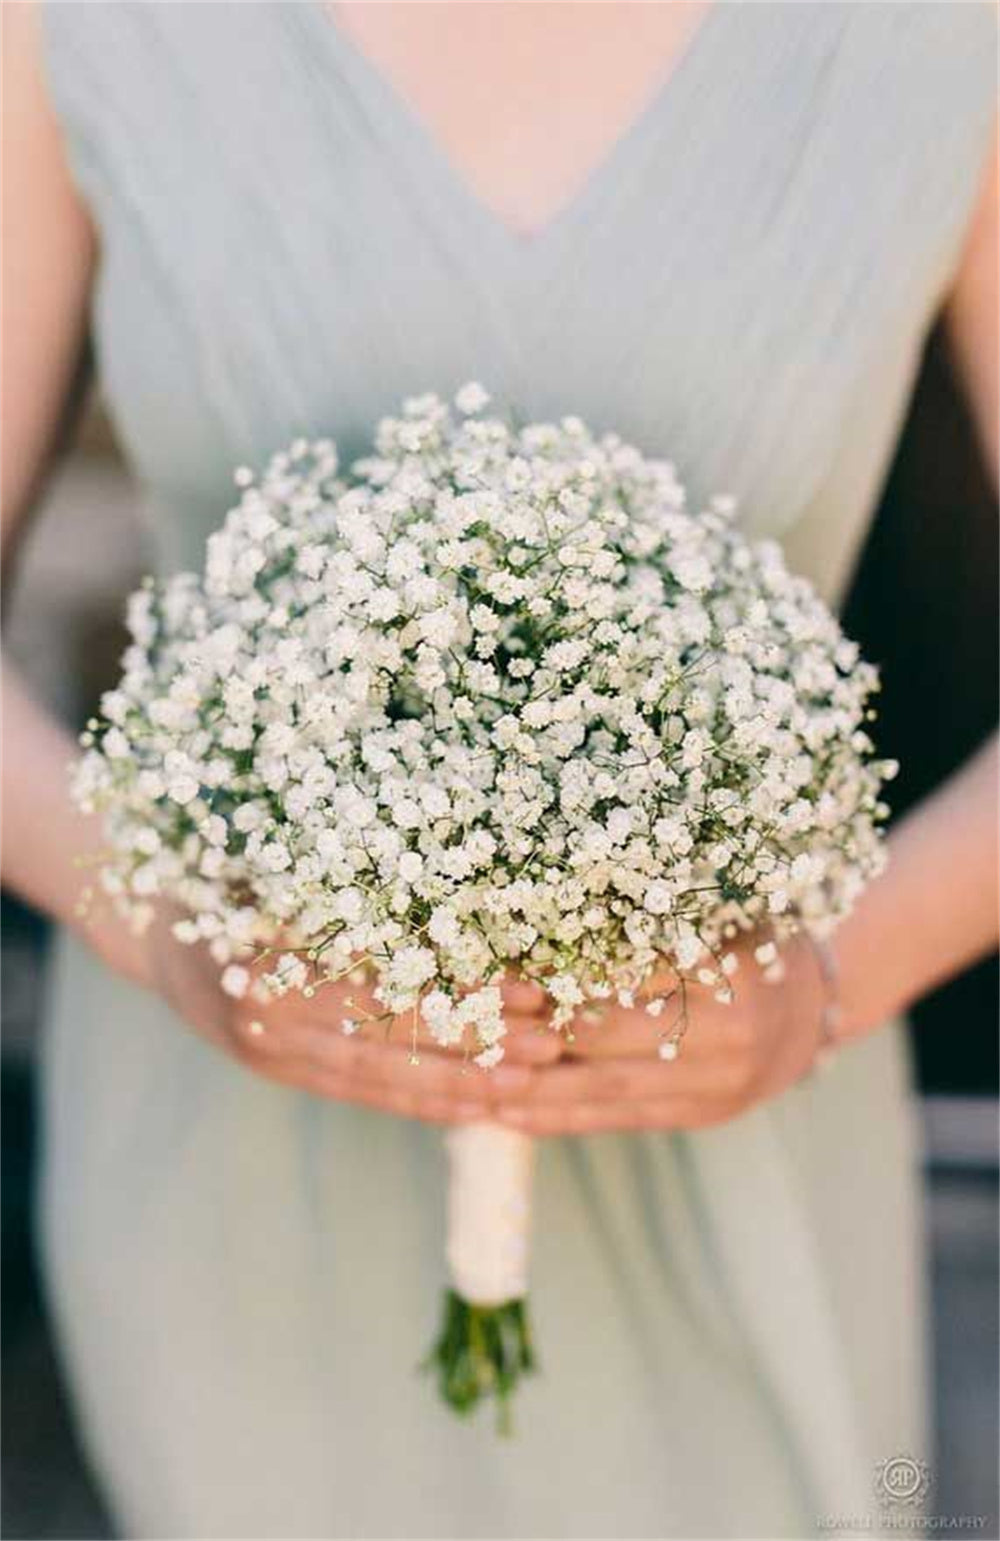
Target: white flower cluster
{"type": "Point", "coordinates": [494, 701]}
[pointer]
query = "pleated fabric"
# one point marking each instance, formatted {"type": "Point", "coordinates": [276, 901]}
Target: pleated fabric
{"type": "Point", "coordinates": [732, 1321]}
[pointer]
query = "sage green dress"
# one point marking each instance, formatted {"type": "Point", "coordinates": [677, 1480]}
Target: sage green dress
{"type": "Point", "coordinates": [731, 1322]}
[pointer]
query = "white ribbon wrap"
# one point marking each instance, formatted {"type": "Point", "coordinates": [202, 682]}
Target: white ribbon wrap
{"type": "Point", "coordinates": [489, 1212]}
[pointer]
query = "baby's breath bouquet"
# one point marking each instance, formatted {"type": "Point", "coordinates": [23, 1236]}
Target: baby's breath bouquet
{"type": "Point", "coordinates": [491, 702]}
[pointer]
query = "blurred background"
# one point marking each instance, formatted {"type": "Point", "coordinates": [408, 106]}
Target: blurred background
{"type": "Point", "coordinates": [923, 605]}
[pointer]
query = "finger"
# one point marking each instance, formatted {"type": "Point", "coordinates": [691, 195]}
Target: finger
{"type": "Point", "coordinates": [388, 1068]}
{"type": "Point", "coordinates": [402, 1085]}
{"type": "Point", "coordinates": [624, 1081]}
{"type": "Point", "coordinates": [708, 1028]}
{"type": "Point", "coordinates": [532, 1042]}
{"type": "Point", "coordinates": [391, 1082]}
{"type": "Point", "coordinates": [592, 1118]}
{"type": "Point", "coordinates": [401, 1104]}
{"type": "Point", "coordinates": [526, 998]}
{"type": "Point", "coordinates": [617, 1034]}
{"type": "Point", "coordinates": [392, 1067]}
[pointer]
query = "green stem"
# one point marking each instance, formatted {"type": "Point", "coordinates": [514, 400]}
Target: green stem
{"type": "Point", "coordinates": [481, 1351]}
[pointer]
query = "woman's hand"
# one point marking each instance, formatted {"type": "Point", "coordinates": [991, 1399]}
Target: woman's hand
{"type": "Point", "coordinates": [300, 1042]}
{"type": "Point", "coordinates": [731, 1057]}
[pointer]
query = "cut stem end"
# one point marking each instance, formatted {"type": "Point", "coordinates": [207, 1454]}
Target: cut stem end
{"type": "Point", "coordinates": [482, 1351]}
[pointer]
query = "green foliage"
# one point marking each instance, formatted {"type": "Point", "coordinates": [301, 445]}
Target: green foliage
{"type": "Point", "coordinates": [482, 1351]}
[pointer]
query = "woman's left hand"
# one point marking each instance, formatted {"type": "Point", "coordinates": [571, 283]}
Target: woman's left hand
{"type": "Point", "coordinates": [731, 1057]}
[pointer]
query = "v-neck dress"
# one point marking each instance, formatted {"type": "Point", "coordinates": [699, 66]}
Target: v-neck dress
{"type": "Point", "coordinates": [731, 1321]}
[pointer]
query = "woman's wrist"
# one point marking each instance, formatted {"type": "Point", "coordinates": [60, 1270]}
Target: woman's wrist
{"type": "Point", "coordinates": [933, 912]}
{"type": "Point", "coordinates": [872, 972]}
{"type": "Point", "coordinates": [873, 957]}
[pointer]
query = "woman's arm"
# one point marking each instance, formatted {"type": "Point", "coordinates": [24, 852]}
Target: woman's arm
{"type": "Point", "coordinates": [935, 912]}
{"type": "Point", "coordinates": [48, 262]}
{"type": "Point", "coordinates": [973, 322]}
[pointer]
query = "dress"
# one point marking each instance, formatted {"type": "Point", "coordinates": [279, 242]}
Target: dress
{"type": "Point", "coordinates": [243, 1278]}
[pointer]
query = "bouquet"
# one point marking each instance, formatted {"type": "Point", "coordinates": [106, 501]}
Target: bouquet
{"type": "Point", "coordinates": [491, 702]}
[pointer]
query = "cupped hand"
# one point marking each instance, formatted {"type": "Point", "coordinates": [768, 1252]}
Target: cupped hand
{"type": "Point", "coordinates": [300, 1041]}
{"type": "Point", "coordinates": [605, 1076]}
{"type": "Point", "coordinates": [730, 1057]}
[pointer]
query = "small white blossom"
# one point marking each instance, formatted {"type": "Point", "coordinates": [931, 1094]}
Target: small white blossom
{"type": "Point", "coordinates": [471, 398]}
{"type": "Point", "coordinates": [235, 981]}
{"type": "Point", "coordinates": [658, 897]}
{"type": "Point", "coordinates": [183, 790]}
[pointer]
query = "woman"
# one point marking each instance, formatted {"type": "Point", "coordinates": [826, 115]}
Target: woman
{"type": "Point", "coordinates": [723, 230]}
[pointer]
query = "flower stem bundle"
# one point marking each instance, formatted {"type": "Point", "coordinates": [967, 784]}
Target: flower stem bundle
{"type": "Point", "coordinates": [482, 1351]}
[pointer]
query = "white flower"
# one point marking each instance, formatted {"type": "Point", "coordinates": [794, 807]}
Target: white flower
{"type": "Point", "coordinates": [658, 897]}
{"type": "Point", "coordinates": [235, 981]}
{"type": "Point", "coordinates": [349, 905]}
{"type": "Point", "coordinates": [482, 1011]}
{"type": "Point", "coordinates": [471, 398]}
{"type": "Point", "coordinates": [411, 967]}
{"type": "Point", "coordinates": [115, 745]}
{"type": "Point", "coordinates": [443, 927]}
{"type": "Point", "coordinates": [439, 627]}
{"type": "Point", "coordinates": [436, 1008]}
{"type": "Point", "coordinates": [406, 813]}
{"type": "Point", "coordinates": [410, 866]}
{"type": "Point", "coordinates": [619, 825]}
{"type": "Point", "coordinates": [484, 619]}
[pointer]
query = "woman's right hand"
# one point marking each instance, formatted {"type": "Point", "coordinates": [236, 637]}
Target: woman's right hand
{"type": "Point", "coordinates": [299, 1042]}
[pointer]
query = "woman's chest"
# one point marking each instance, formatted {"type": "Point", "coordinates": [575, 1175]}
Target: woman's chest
{"type": "Point", "coordinates": [525, 102]}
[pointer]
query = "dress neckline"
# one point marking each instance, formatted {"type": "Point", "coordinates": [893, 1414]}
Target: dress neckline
{"type": "Point", "coordinates": [415, 139]}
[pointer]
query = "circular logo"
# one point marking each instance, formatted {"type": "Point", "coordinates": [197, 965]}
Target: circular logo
{"type": "Point", "coordinates": [901, 1480]}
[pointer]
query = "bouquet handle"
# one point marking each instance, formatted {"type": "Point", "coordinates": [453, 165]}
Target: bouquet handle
{"type": "Point", "coordinates": [484, 1347]}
